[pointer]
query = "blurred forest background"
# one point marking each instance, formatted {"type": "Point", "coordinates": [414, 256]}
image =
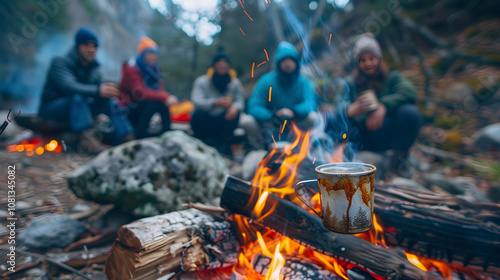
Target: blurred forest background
{"type": "Point", "coordinates": [448, 48]}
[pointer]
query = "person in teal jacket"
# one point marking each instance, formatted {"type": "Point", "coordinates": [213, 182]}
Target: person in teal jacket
{"type": "Point", "coordinates": [283, 94]}
{"type": "Point", "coordinates": [387, 120]}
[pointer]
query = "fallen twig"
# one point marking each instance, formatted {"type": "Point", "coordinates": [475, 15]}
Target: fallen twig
{"type": "Point", "coordinates": [43, 257]}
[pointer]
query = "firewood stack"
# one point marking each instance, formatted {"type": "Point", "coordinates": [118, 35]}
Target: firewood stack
{"type": "Point", "coordinates": [186, 240]}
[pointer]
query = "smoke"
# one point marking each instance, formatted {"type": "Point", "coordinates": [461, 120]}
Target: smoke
{"type": "Point", "coordinates": [333, 124]}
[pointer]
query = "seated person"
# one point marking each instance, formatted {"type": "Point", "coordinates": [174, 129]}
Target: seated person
{"type": "Point", "coordinates": [218, 100]}
{"type": "Point", "coordinates": [74, 93]}
{"type": "Point", "coordinates": [292, 98]}
{"type": "Point", "coordinates": [142, 90]}
{"type": "Point", "coordinates": [390, 121]}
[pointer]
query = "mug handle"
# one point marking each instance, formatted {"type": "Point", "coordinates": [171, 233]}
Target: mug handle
{"type": "Point", "coordinates": [305, 182]}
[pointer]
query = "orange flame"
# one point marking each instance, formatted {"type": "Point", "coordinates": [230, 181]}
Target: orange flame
{"type": "Point", "coordinates": [376, 236]}
{"type": "Point", "coordinates": [280, 182]}
{"type": "Point", "coordinates": [276, 265]}
{"type": "Point", "coordinates": [415, 261]}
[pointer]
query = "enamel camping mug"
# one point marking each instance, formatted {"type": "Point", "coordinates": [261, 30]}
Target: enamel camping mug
{"type": "Point", "coordinates": [346, 196]}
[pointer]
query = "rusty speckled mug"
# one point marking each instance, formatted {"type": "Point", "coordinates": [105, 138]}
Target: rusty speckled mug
{"type": "Point", "coordinates": [346, 196]}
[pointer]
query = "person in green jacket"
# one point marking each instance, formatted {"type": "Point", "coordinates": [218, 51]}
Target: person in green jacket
{"type": "Point", "coordinates": [283, 94]}
{"type": "Point", "coordinates": [387, 120]}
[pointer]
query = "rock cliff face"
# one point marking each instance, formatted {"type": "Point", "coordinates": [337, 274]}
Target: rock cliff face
{"type": "Point", "coordinates": [153, 176]}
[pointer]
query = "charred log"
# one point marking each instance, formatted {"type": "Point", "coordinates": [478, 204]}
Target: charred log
{"type": "Point", "coordinates": [298, 224]}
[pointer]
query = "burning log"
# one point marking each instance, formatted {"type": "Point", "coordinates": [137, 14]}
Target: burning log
{"type": "Point", "coordinates": [298, 224]}
{"type": "Point", "coordinates": [178, 241]}
{"type": "Point", "coordinates": [442, 227]}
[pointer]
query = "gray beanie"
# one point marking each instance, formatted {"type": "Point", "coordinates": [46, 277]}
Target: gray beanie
{"type": "Point", "coordinates": [367, 44]}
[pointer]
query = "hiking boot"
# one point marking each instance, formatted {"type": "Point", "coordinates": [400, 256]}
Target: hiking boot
{"type": "Point", "coordinates": [90, 143]}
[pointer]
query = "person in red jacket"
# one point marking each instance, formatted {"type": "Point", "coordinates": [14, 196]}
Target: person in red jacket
{"type": "Point", "coordinates": [142, 90]}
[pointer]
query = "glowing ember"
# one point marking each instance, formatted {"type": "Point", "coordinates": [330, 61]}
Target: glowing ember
{"type": "Point", "coordinates": [267, 56]}
{"type": "Point", "coordinates": [253, 66]}
{"type": "Point", "coordinates": [242, 32]}
{"type": "Point", "coordinates": [270, 89]}
{"type": "Point", "coordinates": [39, 150]}
{"type": "Point", "coordinates": [261, 64]}
{"type": "Point", "coordinates": [330, 39]}
{"type": "Point", "coordinates": [35, 146]}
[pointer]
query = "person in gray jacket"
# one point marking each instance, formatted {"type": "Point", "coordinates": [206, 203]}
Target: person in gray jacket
{"type": "Point", "coordinates": [218, 100]}
{"type": "Point", "coordinates": [74, 93]}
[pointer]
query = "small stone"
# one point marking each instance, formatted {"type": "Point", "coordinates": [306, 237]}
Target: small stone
{"type": "Point", "coordinates": [23, 205]}
{"type": "Point", "coordinates": [494, 193]}
{"type": "Point", "coordinates": [51, 231]}
{"type": "Point", "coordinates": [77, 208]}
{"type": "Point", "coordinates": [488, 137]}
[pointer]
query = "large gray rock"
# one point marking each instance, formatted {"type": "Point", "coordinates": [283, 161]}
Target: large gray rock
{"type": "Point", "coordinates": [488, 137]}
{"type": "Point", "coordinates": [153, 176]}
{"type": "Point", "coordinates": [50, 230]}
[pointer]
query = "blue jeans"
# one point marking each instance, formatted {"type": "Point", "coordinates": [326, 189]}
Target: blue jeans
{"type": "Point", "coordinates": [79, 113]}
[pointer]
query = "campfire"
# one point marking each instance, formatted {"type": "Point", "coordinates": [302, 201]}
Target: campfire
{"type": "Point", "coordinates": [269, 234]}
{"type": "Point", "coordinates": [35, 146]}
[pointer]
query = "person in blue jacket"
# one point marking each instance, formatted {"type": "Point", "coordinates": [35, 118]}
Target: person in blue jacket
{"type": "Point", "coordinates": [283, 94]}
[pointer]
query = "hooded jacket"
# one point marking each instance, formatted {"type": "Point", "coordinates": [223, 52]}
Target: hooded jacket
{"type": "Point", "coordinates": [67, 76]}
{"type": "Point", "coordinates": [298, 96]}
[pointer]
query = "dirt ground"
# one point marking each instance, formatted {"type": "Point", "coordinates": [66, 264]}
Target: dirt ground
{"type": "Point", "coordinates": [39, 189]}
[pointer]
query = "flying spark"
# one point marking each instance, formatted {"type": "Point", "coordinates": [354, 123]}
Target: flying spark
{"type": "Point", "coordinates": [248, 15]}
{"type": "Point", "coordinates": [283, 128]}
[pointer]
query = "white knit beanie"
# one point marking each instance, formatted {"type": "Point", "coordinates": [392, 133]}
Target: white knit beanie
{"type": "Point", "coordinates": [367, 44]}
